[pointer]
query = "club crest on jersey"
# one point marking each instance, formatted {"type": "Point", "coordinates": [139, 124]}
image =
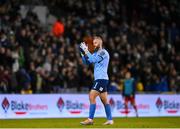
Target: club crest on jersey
{"type": "Point", "coordinates": [102, 53]}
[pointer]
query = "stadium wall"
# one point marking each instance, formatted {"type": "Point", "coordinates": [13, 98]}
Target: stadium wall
{"type": "Point", "coordinates": [77, 105]}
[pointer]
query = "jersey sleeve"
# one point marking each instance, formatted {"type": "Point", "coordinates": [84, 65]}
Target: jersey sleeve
{"type": "Point", "coordinates": [96, 58]}
{"type": "Point", "coordinates": [85, 60]}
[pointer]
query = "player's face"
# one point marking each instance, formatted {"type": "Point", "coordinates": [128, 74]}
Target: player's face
{"type": "Point", "coordinates": [128, 75]}
{"type": "Point", "coordinates": [96, 43]}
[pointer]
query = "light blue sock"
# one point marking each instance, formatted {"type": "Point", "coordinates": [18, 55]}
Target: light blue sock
{"type": "Point", "coordinates": [92, 110]}
{"type": "Point", "coordinates": [108, 111]}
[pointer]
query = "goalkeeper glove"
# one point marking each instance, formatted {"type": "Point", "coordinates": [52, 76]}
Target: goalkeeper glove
{"type": "Point", "coordinates": [81, 52]}
{"type": "Point", "coordinates": [83, 47]}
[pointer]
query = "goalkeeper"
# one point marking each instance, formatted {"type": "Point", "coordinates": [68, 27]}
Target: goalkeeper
{"type": "Point", "coordinates": [100, 59]}
{"type": "Point", "coordinates": [129, 92]}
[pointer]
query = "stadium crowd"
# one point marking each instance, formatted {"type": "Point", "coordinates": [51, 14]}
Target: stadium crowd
{"type": "Point", "coordinates": [141, 36]}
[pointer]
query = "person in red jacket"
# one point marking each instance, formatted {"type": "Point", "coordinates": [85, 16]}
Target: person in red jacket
{"type": "Point", "coordinates": [58, 28]}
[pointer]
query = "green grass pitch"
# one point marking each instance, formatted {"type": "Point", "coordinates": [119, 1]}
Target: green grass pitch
{"type": "Point", "coordinates": [151, 122]}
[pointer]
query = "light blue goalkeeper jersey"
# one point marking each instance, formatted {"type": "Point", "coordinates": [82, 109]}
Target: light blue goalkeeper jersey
{"type": "Point", "coordinates": [100, 59]}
